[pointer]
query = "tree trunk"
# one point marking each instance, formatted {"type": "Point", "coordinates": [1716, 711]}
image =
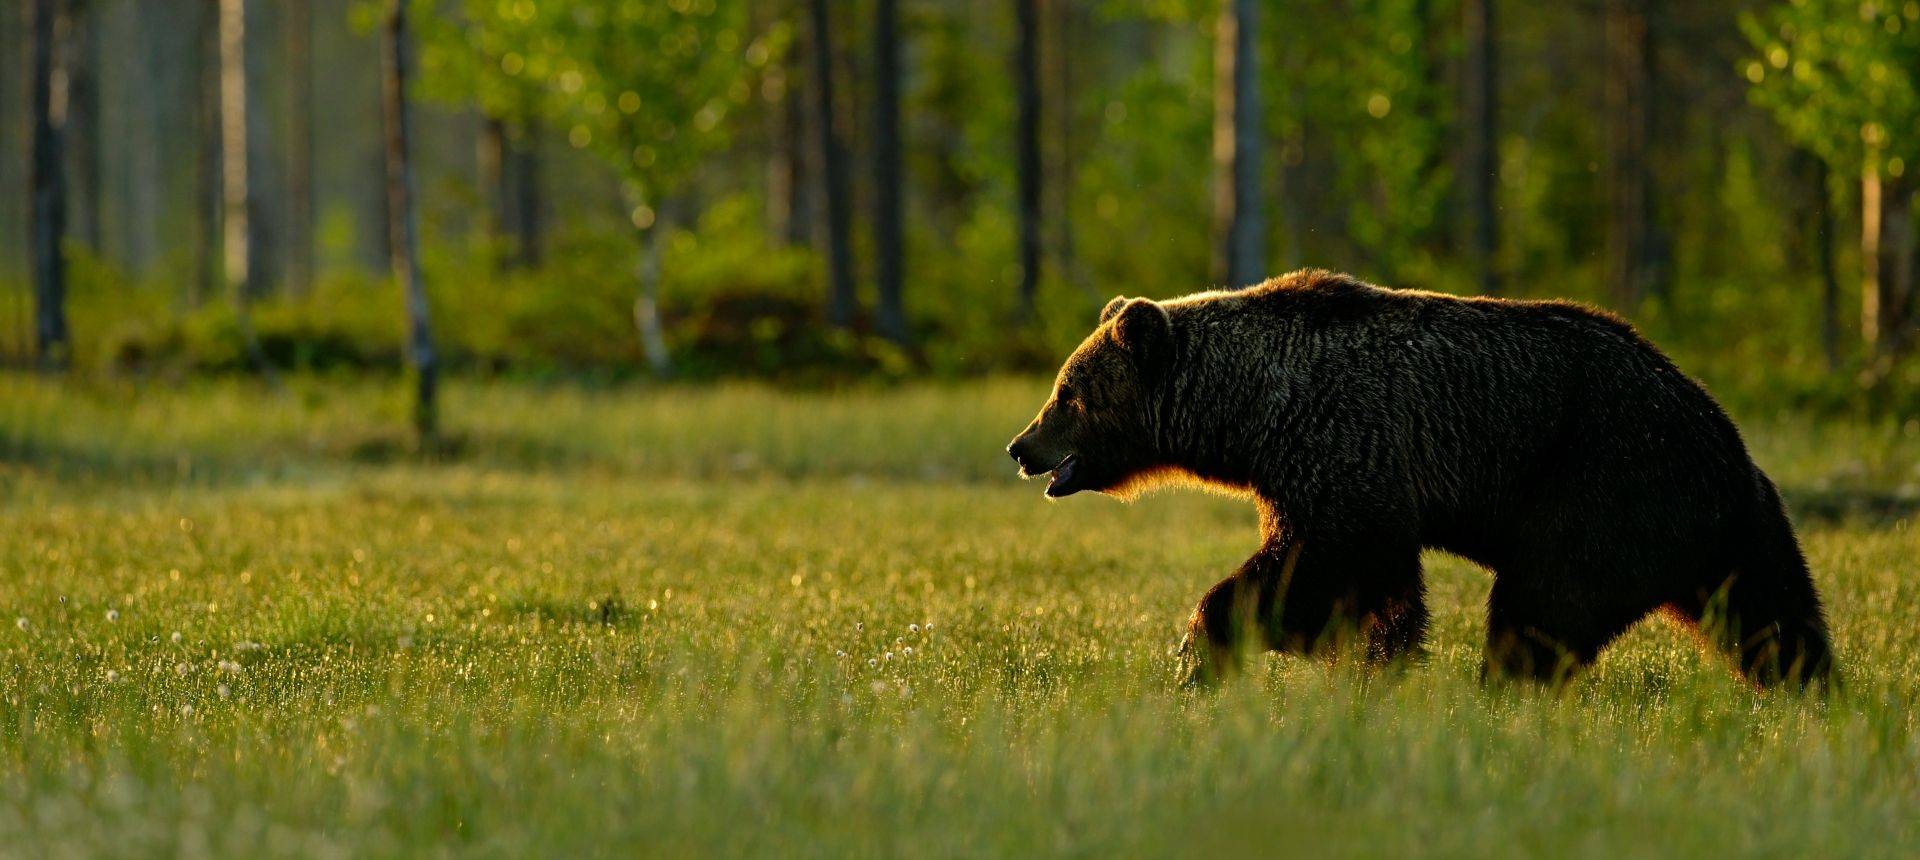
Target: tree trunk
{"type": "Point", "coordinates": [1239, 221]}
{"type": "Point", "coordinates": [140, 132]}
{"type": "Point", "coordinates": [236, 205]}
{"type": "Point", "coordinates": [1064, 33]}
{"type": "Point", "coordinates": [780, 174]}
{"type": "Point", "coordinates": [1291, 152]}
{"type": "Point", "coordinates": [489, 160]}
{"type": "Point", "coordinates": [300, 257]}
{"type": "Point", "coordinates": [1895, 265]}
{"type": "Point", "coordinates": [209, 177]}
{"type": "Point", "coordinates": [378, 225]}
{"type": "Point", "coordinates": [799, 223]}
{"type": "Point", "coordinates": [1870, 239]}
{"type": "Point", "coordinates": [890, 317]}
{"type": "Point", "coordinates": [523, 163]}
{"type": "Point", "coordinates": [406, 239]}
{"type": "Point", "coordinates": [1632, 249]}
{"type": "Point", "coordinates": [82, 130]}
{"type": "Point", "coordinates": [842, 305]}
{"type": "Point", "coordinates": [1823, 261]}
{"type": "Point", "coordinates": [48, 196]}
{"type": "Point", "coordinates": [1479, 147]}
{"type": "Point", "coordinates": [510, 181]}
{"type": "Point", "coordinates": [1027, 84]}
{"type": "Point", "coordinates": [648, 227]}
{"type": "Point", "coordinates": [236, 198]}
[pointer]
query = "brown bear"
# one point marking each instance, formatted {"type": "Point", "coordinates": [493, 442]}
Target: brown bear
{"type": "Point", "coordinates": [1545, 441]}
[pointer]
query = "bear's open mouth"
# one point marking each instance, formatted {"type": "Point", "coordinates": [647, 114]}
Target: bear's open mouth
{"type": "Point", "coordinates": [1062, 482]}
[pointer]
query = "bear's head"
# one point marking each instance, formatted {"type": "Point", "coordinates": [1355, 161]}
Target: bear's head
{"type": "Point", "coordinates": [1097, 430]}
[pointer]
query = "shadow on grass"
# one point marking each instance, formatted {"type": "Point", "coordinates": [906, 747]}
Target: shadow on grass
{"type": "Point", "coordinates": [609, 609]}
{"type": "Point", "coordinates": [209, 463]}
{"type": "Point", "coordinates": [1856, 504]}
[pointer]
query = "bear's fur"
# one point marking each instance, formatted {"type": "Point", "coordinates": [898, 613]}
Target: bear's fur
{"type": "Point", "coordinates": [1546, 441]}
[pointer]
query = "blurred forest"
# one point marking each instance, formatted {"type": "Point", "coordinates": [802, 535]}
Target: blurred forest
{"type": "Point", "coordinates": [816, 190]}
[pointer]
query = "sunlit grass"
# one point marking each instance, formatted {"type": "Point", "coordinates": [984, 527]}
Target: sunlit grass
{"type": "Point", "coordinates": [678, 622]}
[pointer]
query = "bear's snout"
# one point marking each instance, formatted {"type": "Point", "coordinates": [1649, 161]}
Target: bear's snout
{"type": "Point", "coordinates": [1021, 450]}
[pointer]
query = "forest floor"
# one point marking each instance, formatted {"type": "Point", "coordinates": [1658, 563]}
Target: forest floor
{"type": "Point", "coordinates": [722, 621]}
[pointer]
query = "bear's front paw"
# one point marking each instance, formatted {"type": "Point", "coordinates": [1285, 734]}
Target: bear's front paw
{"type": "Point", "coordinates": [1197, 665]}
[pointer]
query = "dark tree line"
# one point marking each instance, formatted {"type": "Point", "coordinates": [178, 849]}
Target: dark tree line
{"type": "Point", "coordinates": [1377, 135]}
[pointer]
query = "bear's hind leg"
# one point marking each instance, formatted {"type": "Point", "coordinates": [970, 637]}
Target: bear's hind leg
{"type": "Point", "coordinates": [1772, 629]}
{"type": "Point", "coordinates": [1546, 635]}
{"type": "Point", "coordinates": [1766, 613]}
{"type": "Point", "coordinates": [1398, 628]}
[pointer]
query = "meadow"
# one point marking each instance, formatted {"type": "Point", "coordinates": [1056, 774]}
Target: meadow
{"type": "Point", "coordinates": [734, 620]}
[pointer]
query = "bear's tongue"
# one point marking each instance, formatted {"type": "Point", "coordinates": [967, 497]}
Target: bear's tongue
{"type": "Point", "coordinates": [1062, 483]}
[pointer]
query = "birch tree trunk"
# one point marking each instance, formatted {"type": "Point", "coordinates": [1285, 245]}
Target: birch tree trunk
{"type": "Point", "coordinates": [236, 198]}
{"type": "Point", "coordinates": [236, 205]}
{"type": "Point", "coordinates": [646, 304]}
{"type": "Point", "coordinates": [425, 363]}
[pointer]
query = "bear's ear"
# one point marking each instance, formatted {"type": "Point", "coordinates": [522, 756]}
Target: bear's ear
{"type": "Point", "coordinates": [1113, 307]}
{"type": "Point", "coordinates": [1143, 329]}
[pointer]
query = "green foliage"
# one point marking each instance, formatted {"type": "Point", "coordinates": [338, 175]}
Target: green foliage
{"type": "Point", "coordinates": [734, 306]}
{"type": "Point", "coordinates": [479, 55]}
{"type": "Point", "coordinates": [647, 86]}
{"type": "Point", "coordinates": [1393, 109]}
{"type": "Point", "coordinates": [625, 615]}
{"type": "Point", "coordinates": [1839, 76]}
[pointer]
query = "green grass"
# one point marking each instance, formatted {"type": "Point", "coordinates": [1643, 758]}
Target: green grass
{"type": "Point", "coordinates": [657, 622]}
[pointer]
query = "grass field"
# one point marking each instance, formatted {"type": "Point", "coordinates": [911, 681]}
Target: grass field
{"type": "Point", "coordinates": [723, 621]}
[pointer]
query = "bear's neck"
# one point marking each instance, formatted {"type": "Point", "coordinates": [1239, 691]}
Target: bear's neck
{"type": "Point", "coordinates": [1204, 430]}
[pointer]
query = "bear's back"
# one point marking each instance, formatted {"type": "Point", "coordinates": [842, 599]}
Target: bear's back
{"type": "Point", "coordinates": [1483, 387]}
